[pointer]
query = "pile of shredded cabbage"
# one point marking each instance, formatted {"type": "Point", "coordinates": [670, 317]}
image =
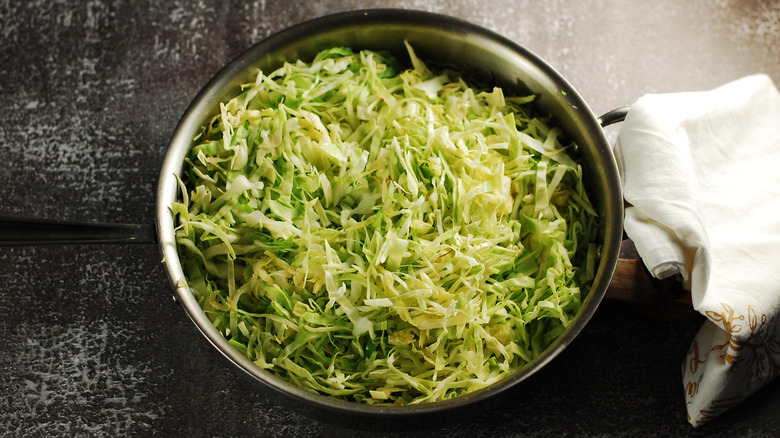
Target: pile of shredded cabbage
{"type": "Point", "coordinates": [384, 236]}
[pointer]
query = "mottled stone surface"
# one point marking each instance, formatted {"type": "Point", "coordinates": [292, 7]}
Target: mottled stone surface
{"type": "Point", "coordinates": [91, 343]}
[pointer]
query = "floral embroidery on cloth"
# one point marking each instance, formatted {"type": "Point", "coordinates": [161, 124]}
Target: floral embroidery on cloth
{"type": "Point", "coordinates": [750, 351]}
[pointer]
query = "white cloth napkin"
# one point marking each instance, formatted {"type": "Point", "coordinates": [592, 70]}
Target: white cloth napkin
{"type": "Point", "coordinates": [701, 172]}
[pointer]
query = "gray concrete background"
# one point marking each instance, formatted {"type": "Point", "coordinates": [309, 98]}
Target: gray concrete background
{"type": "Point", "coordinates": [90, 91]}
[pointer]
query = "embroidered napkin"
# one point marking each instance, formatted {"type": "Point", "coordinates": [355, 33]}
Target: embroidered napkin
{"type": "Point", "coordinates": [701, 172]}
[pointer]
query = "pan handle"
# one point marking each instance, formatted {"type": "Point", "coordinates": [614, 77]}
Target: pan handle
{"type": "Point", "coordinates": [19, 232]}
{"type": "Point", "coordinates": [633, 284]}
{"type": "Point", "coordinates": [614, 116]}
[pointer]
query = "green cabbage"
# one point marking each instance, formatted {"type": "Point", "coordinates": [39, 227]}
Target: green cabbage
{"type": "Point", "coordinates": [384, 235]}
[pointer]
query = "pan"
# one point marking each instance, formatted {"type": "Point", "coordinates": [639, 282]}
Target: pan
{"type": "Point", "coordinates": [477, 52]}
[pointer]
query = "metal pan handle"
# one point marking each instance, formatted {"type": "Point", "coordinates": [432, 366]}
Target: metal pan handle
{"type": "Point", "coordinates": [614, 116]}
{"type": "Point", "coordinates": [633, 284]}
{"type": "Point", "coordinates": [19, 232]}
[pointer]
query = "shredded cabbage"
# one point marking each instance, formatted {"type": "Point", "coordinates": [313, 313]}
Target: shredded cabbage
{"type": "Point", "coordinates": [384, 235]}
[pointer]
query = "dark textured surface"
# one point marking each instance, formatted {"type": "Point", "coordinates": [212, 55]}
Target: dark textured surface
{"type": "Point", "coordinates": [90, 341]}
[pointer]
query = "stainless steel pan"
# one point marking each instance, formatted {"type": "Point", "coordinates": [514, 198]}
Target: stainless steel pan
{"type": "Point", "coordinates": [477, 53]}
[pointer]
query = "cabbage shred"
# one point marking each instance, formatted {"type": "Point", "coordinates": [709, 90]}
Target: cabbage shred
{"type": "Point", "coordinates": [384, 235]}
